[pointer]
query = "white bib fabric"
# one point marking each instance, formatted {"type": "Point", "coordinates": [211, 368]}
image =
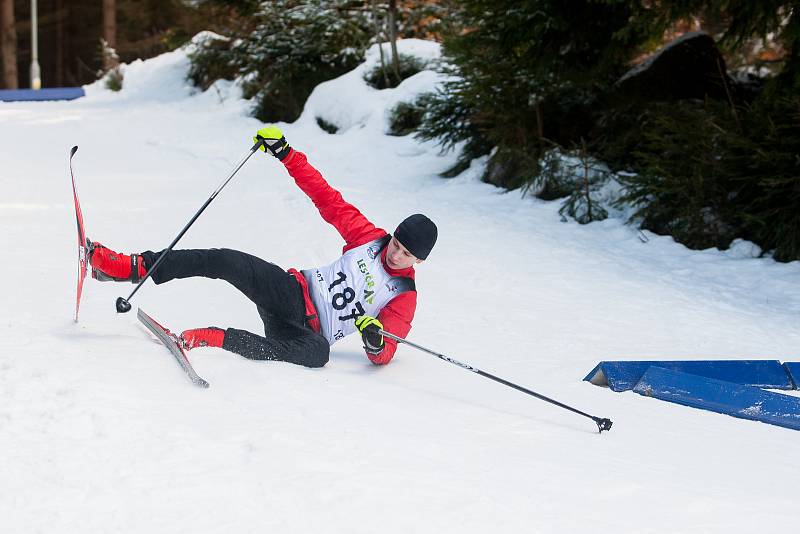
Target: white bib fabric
{"type": "Point", "coordinates": [356, 284]}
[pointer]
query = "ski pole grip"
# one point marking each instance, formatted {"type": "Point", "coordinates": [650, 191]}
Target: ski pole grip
{"type": "Point", "coordinates": [261, 142]}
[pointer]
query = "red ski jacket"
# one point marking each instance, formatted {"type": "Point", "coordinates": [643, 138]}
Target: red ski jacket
{"type": "Point", "coordinates": [356, 230]}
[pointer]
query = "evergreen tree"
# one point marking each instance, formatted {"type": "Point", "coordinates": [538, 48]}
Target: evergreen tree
{"type": "Point", "coordinates": [293, 46]}
{"type": "Point", "coordinates": [535, 78]}
{"type": "Point", "coordinates": [526, 74]}
{"type": "Point", "coordinates": [709, 172]}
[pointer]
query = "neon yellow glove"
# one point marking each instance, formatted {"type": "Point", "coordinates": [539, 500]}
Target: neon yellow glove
{"type": "Point", "coordinates": [370, 335]}
{"type": "Point", "coordinates": [274, 141]}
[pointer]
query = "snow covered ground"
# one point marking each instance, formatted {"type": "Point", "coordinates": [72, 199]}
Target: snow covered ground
{"type": "Point", "coordinates": [101, 432]}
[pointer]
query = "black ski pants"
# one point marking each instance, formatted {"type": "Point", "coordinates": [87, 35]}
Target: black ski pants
{"type": "Point", "coordinates": [276, 294]}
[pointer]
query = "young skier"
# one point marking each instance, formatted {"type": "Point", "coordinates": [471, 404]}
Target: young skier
{"type": "Point", "coordinates": [369, 288]}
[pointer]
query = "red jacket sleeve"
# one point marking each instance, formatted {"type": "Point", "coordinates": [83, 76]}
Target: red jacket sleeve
{"type": "Point", "coordinates": [348, 221]}
{"type": "Point", "coordinates": [396, 318]}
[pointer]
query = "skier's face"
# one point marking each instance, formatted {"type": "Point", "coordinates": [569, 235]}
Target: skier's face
{"type": "Point", "coordinates": [398, 257]}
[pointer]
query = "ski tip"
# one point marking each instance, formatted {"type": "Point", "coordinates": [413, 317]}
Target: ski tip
{"type": "Point", "coordinates": [202, 383]}
{"type": "Point", "coordinates": [72, 152]}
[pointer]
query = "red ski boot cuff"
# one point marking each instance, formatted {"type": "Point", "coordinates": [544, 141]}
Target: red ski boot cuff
{"type": "Point", "coordinates": [202, 337]}
{"type": "Point", "coordinates": [109, 265]}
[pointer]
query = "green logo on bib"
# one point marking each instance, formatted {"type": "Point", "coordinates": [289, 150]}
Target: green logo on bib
{"type": "Point", "coordinates": [368, 278]}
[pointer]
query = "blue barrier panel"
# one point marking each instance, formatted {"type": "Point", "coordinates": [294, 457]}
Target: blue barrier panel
{"type": "Point", "coordinates": [746, 402]}
{"type": "Point", "coordinates": [793, 369]}
{"type": "Point", "coordinates": [49, 93]}
{"type": "Point", "coordinates": [622, 376]}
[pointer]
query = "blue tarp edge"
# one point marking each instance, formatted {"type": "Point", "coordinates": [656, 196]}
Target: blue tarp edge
{"type": "Point", "coordinates": [745, 402]}
{"type": "Point", "coordinates": [793, 370]}
{"type": "Point", "coordinates": [623, 375]}
{"type": "Point", "coordinates": [48, 93]}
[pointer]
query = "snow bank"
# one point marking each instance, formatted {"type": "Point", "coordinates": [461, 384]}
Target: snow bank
{"type": "Point", "coordinates": [160, 79]}
{"type": "Point", "coordinates": [349, 102]}
{"type": "Point", "coordinates": [100, 432]}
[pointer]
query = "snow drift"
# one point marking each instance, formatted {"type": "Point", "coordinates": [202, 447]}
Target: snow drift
{"type": "Point", "coordinates": [100, 432]}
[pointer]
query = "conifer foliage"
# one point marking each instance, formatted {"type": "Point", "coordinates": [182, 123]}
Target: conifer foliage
{"type": "Point", "coordinates": [534, 78]}
{"type": "Point", "coordinates": [291, 47]}
{"type": "Point", "coordinates": [526, 75]}
{"type": "Point", "coordinates": [707, 178]}
{"type": "Point", "coordinates": [282, 49]}
{"type": "Point", "coordinates": [297, 45]}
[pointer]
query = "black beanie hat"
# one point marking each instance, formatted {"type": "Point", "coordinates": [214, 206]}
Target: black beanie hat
{"type": "Point", "coordinates": [418, 234]}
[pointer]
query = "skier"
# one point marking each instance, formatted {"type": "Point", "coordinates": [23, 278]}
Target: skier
{"type": "Point", "coordinates": [369, 288]}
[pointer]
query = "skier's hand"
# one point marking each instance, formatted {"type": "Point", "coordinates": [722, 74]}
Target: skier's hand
{"type": "Point", "coordinates": [370, 335]}
{"type": "Point", "coordinates": [274, 141]}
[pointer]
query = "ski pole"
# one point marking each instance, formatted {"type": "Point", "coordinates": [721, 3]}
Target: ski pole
{"type": "Point", "coordinates": [602, 423]}
{"type": "Point", "coordinates": [124, 305]}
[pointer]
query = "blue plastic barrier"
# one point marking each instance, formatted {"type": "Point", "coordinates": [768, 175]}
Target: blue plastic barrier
{"type": "Point", "coordinates": [793, 370]}
{"type": "Point", "coordinates": [622, 376]}
{"type": "Point", "coordinates": [746, 402]}
{"type": "Point", "coordinates": [49, 93]}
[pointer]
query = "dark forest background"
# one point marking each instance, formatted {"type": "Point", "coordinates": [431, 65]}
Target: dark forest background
{"type": "Point", "coordinates": [70, 33]}
{"type": "Point", "coordinates": [692, 107]}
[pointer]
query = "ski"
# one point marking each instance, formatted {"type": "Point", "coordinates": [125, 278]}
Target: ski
{"type": "Point", "coordinates": [170, 341]}
{"type": "Point", "coordinates": [82, 243]}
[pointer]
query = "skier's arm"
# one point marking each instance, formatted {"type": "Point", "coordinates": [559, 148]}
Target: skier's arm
{"type": "Point", "coordinates": [348, 221]}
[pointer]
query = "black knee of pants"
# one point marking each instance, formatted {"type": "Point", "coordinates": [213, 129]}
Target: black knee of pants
{"type": "Point", "coordinates": [307, 348]}
{"type": "Point", "coordinates": [270, 288]}
{"type": "Point", "coordinates": [263, 282]}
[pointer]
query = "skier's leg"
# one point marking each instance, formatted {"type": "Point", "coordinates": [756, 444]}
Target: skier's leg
{"type": "Point", "coordinates": [275, 292]}
{"type": "Point", "coordinates": [306, 348]}
{"type": "Point", "coordinates": [267, 285]}
{"type": "Point", "coordinates": [284, 342]}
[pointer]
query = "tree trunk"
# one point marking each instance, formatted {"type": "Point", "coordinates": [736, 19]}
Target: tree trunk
{"type": "Point", "coordinates": [61, 44]}
{"type": "Point", "coordinates": [9, 44]}
{"type": "Point", "coordinates": [393, 38]}
{"type": "Point", "coordinates": [379, 38]}
{"type": "Point", "coordinates": [110, 33]}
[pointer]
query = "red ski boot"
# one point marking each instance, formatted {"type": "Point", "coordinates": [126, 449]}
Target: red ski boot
{"type": "Point", "coordinates": [108, 265]}
{"type": "Point", "coordinates": [202, 337]}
